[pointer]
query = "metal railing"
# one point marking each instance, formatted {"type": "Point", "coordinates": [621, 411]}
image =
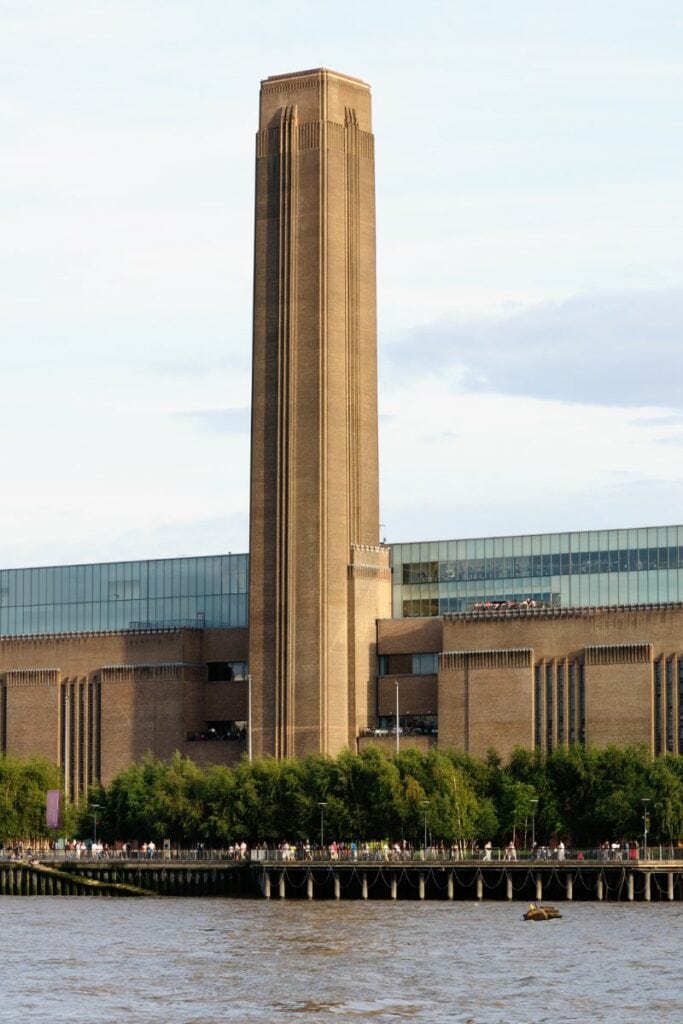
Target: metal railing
{"type": "Point", "coordinates": [368, 853]}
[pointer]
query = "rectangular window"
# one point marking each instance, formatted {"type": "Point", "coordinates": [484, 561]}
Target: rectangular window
{"type": "Point", "coordinates": [572, 703]}
{"type": "Point", "coordinates": [582, 705]}
{"type": "Point", "coordinates": [226, 671]}
{"type": "Point", "coordinates": [123, 590]}
{"type": "Point", "coordinates": [523, 566]}
{"type": "Point", "coordinates": [424, 664]}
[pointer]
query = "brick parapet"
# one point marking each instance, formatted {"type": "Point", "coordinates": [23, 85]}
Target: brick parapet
{"type": "Point", "coordinates": [514, 657]}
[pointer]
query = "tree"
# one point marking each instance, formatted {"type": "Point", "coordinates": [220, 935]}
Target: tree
{"type": "Point", "coordinates": [23, 788]}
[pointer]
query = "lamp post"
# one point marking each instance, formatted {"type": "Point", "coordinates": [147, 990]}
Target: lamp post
{"type": "Point", "coordinates": [425, 805]}
{"type": "Point", "coordinates": [398, 737]}
{"type": "Point", "coordinates": [534, 804]}
{"type": "Point", "coordinates": [645, 801]}
{"type": "Point", "coordinates": [322, 804]}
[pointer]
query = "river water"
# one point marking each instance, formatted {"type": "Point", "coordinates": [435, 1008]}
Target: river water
{"type": "Point", "coordinates": [205, 961]}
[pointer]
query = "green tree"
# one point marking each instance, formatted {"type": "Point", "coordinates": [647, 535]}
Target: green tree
{"type": "Point", "coordinates": [23, 789]}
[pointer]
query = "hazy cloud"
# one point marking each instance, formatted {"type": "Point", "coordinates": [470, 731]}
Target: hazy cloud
{"type": "Point", "coordinates": [220, 421]}
{"type": "Point", "coordinates": [602, 349]}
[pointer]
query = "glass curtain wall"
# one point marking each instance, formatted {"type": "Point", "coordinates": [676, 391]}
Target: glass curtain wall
{"type": "Point", "coordinates": [207, 591]}
{"type": "Point", "coordinates": [600, 567]}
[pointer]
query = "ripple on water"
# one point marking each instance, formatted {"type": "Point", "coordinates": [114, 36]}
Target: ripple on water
{"type": "Point", "coordinates": [214, 961]}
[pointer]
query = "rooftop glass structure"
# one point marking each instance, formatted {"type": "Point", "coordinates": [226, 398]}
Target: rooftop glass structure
{"type": "Point", "coordinates": [593, 567]}
{"type": "Point", "coordinates": [164, 593]}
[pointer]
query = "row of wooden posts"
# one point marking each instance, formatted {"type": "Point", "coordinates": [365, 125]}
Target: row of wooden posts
{"type": "Point", "coordinates": [387, 881]}
{"type": "Point", "coordinates": [481, 883]}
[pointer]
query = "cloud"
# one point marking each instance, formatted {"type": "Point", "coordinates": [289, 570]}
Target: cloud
{"type": "Point", "coordinates": [603, 349]}
{"type": "Point", "coordinates": [220, 421]}
{"type": "Point", "coordinates": [676, 440]}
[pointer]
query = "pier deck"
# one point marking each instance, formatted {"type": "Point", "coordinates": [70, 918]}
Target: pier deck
{"type": "Point", "coordinates": [526, 880]}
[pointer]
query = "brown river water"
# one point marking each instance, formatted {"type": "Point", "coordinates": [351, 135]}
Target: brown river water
{"type": "Point", "coordinates": [204, 961]}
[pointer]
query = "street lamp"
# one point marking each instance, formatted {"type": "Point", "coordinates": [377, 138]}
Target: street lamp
{"type": "Point", "coordinates": [425, 805]}
{"type": "Point", "coordinates": [645, 801]}
{"type": "Point", "coordinates": [534, 804]}
{"type": "Point", "coordinates": [398, 737]}
{"type": "Point", "coordinates": [322, 804]}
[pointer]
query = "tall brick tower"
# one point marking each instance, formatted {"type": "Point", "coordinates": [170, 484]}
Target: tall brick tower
{"type": "Point", "coordinates": [318, 578]}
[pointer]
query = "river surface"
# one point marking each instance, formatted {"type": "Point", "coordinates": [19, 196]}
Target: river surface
{"type": "Point", "coordinates": [205, 961]}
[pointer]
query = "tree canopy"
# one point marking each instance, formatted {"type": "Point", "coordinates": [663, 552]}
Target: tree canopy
{"type": "Point", "coordinates": [581, 795]}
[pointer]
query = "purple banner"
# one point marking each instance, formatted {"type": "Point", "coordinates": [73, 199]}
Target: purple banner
{"type": "Point", "coordinates": [53, 812]}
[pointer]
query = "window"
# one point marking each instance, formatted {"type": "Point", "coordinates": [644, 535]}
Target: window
{"type": "Point", "coordinates": [226, 671]}
{"type": "Point", "coordinates": [123, 590]}
{"type": "Point", "coordinates": [424, 664]}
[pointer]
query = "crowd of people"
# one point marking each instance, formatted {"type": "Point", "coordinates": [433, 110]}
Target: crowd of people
{"type": "Point", "coordinates": [77, 849]}
{"type": "Point", "coordinates": [493, 606]}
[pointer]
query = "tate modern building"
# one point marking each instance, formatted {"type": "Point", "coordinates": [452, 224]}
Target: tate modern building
{"type": "Point", "coordinates": [322, 637]}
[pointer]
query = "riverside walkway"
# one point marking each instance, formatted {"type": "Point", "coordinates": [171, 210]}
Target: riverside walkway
{"type": "Point", "coordinates": [415, 875]}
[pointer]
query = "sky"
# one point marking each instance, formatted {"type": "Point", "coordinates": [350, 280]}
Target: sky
{"type": "Point", "coordinates": [530, 267]}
